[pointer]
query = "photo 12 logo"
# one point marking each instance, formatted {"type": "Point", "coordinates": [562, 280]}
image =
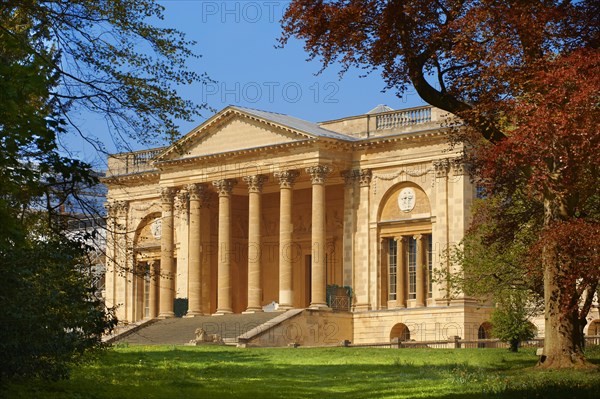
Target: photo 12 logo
{"type": "Point", "coordinates": [242, 11]}
{"type": "Point", "coordinates": [254, 92]}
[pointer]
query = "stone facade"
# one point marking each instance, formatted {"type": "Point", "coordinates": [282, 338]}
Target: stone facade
{"type": "Point", "coordinates": [254, 207]}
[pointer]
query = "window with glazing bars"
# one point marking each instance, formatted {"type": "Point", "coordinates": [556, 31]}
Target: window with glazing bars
{"type": "Point", "coordinates": [412, 268]}
{"type": "Point", "coordinates": [393, 268]}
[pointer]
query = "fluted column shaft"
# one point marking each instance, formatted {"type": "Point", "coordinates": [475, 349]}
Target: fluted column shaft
{"type": "Point", "coordinates": [420, 275]}
{"type": "Point", "coordinates": [224, 298]}
{"type": "Point", "coordinates": [197, 193]}
{"type": "Point", "coordinates": [319, 236]}
{"type": "Point", "coordinates": [286, 184]}
{"type": "Point", "coordinates": [255, 184]}
{"type": "Point", "coordinates": [167, 260]}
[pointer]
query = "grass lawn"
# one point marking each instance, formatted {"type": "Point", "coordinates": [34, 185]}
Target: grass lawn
{"type": "Point", "coordinates": [227, 372]}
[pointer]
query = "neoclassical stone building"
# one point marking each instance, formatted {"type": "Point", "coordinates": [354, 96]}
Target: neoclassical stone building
{"type": "Point", "coordinates": [254, 207]}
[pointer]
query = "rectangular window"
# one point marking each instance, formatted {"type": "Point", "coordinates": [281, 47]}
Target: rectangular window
{"type": "Point", "coordinates": [393, 267]}
{"type": "Point", "coordinates": [147, 292]}
{"type": "Point", "coordinates": [412, 268]}
{"type": "Point", "coordinates": [430, 264]}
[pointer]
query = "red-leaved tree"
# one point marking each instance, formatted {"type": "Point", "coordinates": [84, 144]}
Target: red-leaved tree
{"type": "Point", "coordinates": [553, 154]}
{"type": "Point", "coordinates": [523, 76]}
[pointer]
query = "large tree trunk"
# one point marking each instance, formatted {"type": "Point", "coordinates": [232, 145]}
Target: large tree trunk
{"type": "Point", "coordinates": [563, 343]}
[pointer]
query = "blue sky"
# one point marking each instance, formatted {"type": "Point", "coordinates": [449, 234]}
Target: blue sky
{"type": "Point", "coordinates": [236, 41]}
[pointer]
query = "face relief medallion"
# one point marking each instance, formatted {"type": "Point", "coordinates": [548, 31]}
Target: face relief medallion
{"type": "Point", "coordinates": [406, 199]}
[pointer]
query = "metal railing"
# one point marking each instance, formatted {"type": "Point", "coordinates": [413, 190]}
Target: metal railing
{"type": "Point", "coordinates": [461, 343]}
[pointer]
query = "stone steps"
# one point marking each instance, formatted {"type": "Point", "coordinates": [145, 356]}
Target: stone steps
{"type": "Point", "coordinates": [180, 331]}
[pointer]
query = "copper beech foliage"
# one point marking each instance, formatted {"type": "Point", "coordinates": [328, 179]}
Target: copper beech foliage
{"type": "Point", "coordinates": [462, 56]}
{"type": "Point", "coordinates": [523, 77]}
{"type": "Point", "coordinates": [552, 152]}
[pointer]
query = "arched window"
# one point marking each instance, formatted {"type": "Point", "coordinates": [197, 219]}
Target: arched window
{"type": "Point", "coordinates": [594, 328]}
{"type": "Point", "coordinates": [485, 331]}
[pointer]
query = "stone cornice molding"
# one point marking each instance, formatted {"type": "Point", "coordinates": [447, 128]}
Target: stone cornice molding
{"type": "Point", "coordinates": [134, 178]}
{"type": "Point", "coordinates": [399, 137]}
{"type": "Point", "coordinates": [286, 178]}
{"type": "Point", "coordinates": [318, 173]}
{"type": "Point", "coordinates": [255, 183]}
{"type": "Point", "coordinates": [224, 186]}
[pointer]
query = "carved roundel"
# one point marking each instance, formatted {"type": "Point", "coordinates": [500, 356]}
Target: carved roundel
{"type": "Point", "coordinates": [406, 199]}
{"type": "Point", "coordinates": [156, 228]}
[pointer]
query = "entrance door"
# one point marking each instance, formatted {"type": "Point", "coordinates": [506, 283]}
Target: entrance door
{"type": "Point", "coordinates": [307, 280]}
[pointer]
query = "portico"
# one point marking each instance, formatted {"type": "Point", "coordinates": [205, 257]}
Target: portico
{"type": "Point", "coordinates": [253, 208]}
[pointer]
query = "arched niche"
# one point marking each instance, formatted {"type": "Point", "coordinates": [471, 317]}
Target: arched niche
{"type": "Point", "coordinates": [404, 201]}
{"type": "Point", "coordinates": [148, 233]}
{"type": "Point", "coordinates": [401, 332]}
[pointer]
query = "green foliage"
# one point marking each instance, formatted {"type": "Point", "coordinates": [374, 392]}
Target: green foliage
{"type": "Point", "coordinates": [493, 253]}
{"type": "Point", "coordinates": [50, 316]}
{"type": "Point", "coordinates": [510, 319]}
{"type": "Point", "coordinates": [57, 59]}
{"type": "Point", "coordinates": [108, 59]}
{"type": "Point", "coordinates": [225, 372]}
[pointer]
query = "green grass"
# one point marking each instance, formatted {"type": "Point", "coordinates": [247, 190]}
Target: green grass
{"type": "Point", "coordinates": [226, 372]}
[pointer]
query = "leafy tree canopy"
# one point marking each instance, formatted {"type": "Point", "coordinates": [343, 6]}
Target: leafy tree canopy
{"type": "Point", "coordinates": [60, 58]}
{"type": "Point", "coordinates": [522, 75]}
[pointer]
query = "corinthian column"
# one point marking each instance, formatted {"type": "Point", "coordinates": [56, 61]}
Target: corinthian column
{"type": "Point", "coordinates": [319, 236]}
{"type": "Point", "coordinates": [255, 184]}
{"type": "Point", "coordinates": [286, 184]}
{"type": "Point", "coordinates": [167, 261]}
{"type": "Point", "coordinates": [197, 194]}
{"type": "Point", "coordinates": [224, 299]}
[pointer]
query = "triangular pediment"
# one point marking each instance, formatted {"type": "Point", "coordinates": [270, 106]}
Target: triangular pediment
{"type": "Point", "coordinates": [237, 134]}
{"type": "Point", "coordinates": [232, 130]}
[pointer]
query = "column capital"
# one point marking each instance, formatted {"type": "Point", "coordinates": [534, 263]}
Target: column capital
{"type": "Point", "coordinates": [459, 166]}
{"type": "Point", "coordinates": [418, 236]}
{"type": "Point", "coordinates": [349, 176]}
{"type": "Point", "coordinates": [364, 176]}
{"type": "Point", "coordinates": [199, 192]}
{"type": "Point", "coordinates": [224, 186]}
{"type": "Point", "coordinates": [441, 167]}
{"type": "Point", "coordinates": [167, 195]}
{"type": "Point", "coordinates": [196, 191]}
{"type": "Point", "coordinates": [255, 182]}
{"type": "Point", "coordinates": [286, 178]}
{"type": "Point", "coordinates": [318, 173]}
{"type": "Point", "coordinates": [181, 200]}
{"type": "Point", "coordinates": [116, 208]}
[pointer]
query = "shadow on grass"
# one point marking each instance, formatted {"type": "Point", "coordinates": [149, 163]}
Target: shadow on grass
{"type": "Point", "coordinates": [219, 372]}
